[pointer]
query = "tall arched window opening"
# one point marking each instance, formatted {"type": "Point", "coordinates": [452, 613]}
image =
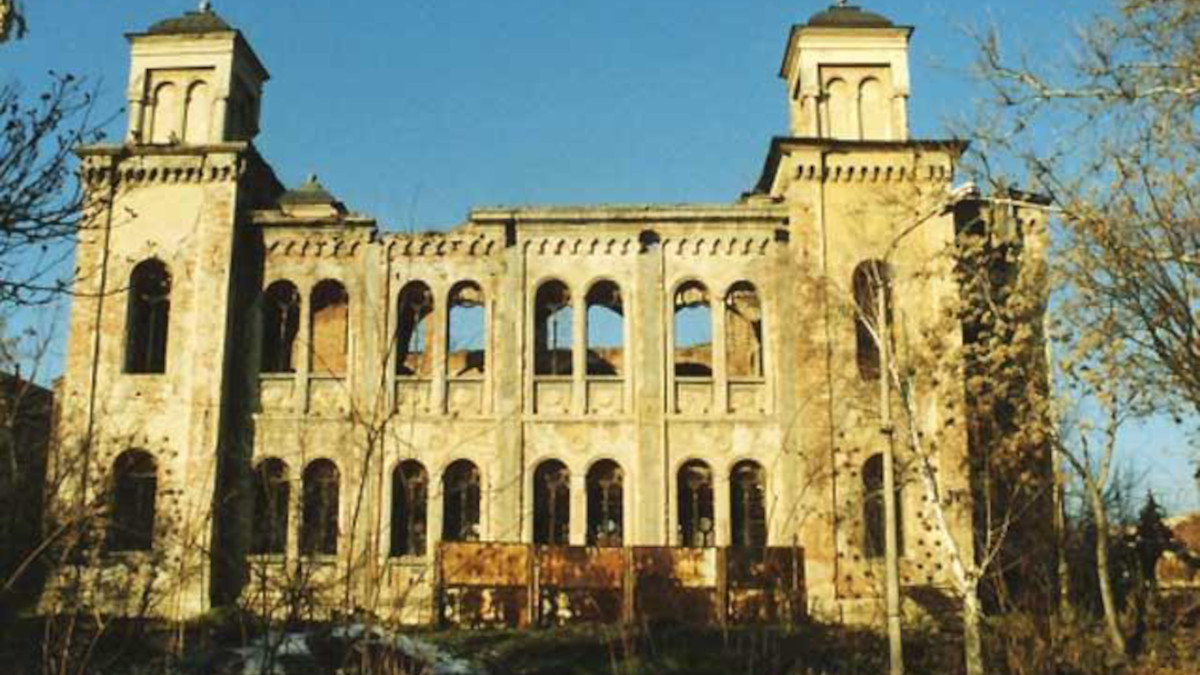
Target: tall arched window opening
{"type": "Point", "coordinates": [330, 328]}
{"type": "Point", "coordinates": [871, 285]}
{"type": "Point", "coordinates": [605, 504]}
{"type": "Point", "coordinates": [743, 331]}
{"type": "Point", "coordinates": [460, 506]}
{"type": "Point", "coordinates": [134, 492]}
{"type": "Point", "coordinates": [874, 111]}
{"type": "Point", "coordinates": [410, 492]}
{"type": "Point", "coordinates": [551, 504]}
{"type": "Point", "coordinates": [467, 335]}
{"type": "Point", "coordinates": [697, 527]}
{"type": "Point", "coordinates": [693, 331]}
{"type": "Point", "coordinates": [272, 495]}
{"type": "Point", "coordinates": [281, 325]}
{"type": "Point", "coordinates": [148, 318]}
{"type": "Point", "coordinates": [553, 330]}
{"type": "Point", "coordinates": [319, 519]}
{"type": "Point", "coordinates": [605, 329]}
{"type": "Point", "coordinates": [413, 330]}
{"type": "Point", "coordinates": [839, 110]}
{"type": "Point", "coordinates": [873, 515]}
{"type": "Point", "coordinates": [165, 121]}
{"type": "Point", "coordinates": [196, 114]}
{"type": "Point", "coordinates": [747, 501]}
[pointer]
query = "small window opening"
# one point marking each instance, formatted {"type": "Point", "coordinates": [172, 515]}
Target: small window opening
{"type": "Point", "coordinates": [271, 506]}
{"type": "Point", "coordinates": [410, 492]}
{"type": "Point", "coordinates": [697, 527]}
{"type": "Point", "coordinates": [148, 318]}
{"type": "Point", "coordinates": [743, 331]}
{"type": "Point", "coordinates": [874, 516]}
{"type": "Point", "coordinates": [605, 504]}
{"type": "Point", "coordinates": [693, 331]}
{"type": "Point", "coordinates": [460, 508]}
{"type": "Point", "coordinates": [553, 329]}
{"type": "Point", "coordinates": [281, 324]}
{"type": "Point", "coordinates": [135, 488]}
{"type": "Point", "coordinates": [319, 526]}
{"type": "Point", "coordinates": [466, 352]}
{"type": "Point", "coordinates": [871, 279]}
{"type": "Point", "coordinates": [748, 505]}
{"type": "Point", "coordinates": [330, 328]}
{"type": "Point", "coordinates": [551, 504]}
{"type": "Point", "coordinates": [414, 330]}
{"type": "Point", "coordinates": [605, 329]}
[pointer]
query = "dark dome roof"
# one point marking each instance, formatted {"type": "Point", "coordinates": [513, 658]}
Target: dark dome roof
{"type": "Point", "coordinates": [311, 192]}
{"type": "Point", "coordinates": [849, 16]}
{"type": "Point", "coordinates": [191, 23]}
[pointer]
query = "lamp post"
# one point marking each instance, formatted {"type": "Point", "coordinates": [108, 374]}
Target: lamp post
{"type": "Point", "coordinates": [891, 541]}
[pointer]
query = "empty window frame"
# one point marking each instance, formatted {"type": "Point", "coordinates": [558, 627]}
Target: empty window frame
{"type": "Point", "coordinates": [872, 285]}
{"type": "Point", "coordinates": [196, 114]}
{"type": "Point", "coordinates": [551, 504]}
{"type": "Point", "coordinates": [874, 516]}
{"type": "Point", "coordinates": [605, 329]}
{"type": "Point", "coordinates": [319, 517]}
{"type": "Point", "coordinates": [747, 502]}
{"type": "Point", "coordinates": [272, 494]}
{"type": "Point", "coordinates": [414, 311]}
{"type": "Point", "coordinates": [693, 331]}
{"type": "Point", "coordinates": [743, 331]}
{"type": "Point", "coordinates": [466, 338]}
{"type": "Point", "coordinates": [281, 325]}
{"type": "Point", "coordinates": [148, 318]}
{"type": "Point", "coordinates": [134, 492]}
{"type": "Point", "coordinates": [460, 505]}
{"type": "Point", "coordinates": [410, 494]}
{"type": "Point", "coordinates": [553, 329]}
{"type": "Point", "coordinates": [330, 328]}
{"type": "Point", "coordinates": [697, 527]}
{"type": "Point", "coordinates": [605, 504]}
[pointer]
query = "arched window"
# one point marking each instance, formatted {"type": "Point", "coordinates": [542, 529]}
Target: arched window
{"type": "Point", "coordinates": [330, 328]}
{"type": "Point", "coordinates": [164, 125]}
{"type": "Point", "coordinates": [414, 307]}
{"type": "Point", "coordinates": [605, 504]}
{"type": "Point", "coordinates": [135, 488]}
{"type": "Point", "coordinates": [553, 329]}
{"type": "Point", "coordinates": [693, 331]}
{"type": "Point", "coordinates": [871, 279]}
{"type": "Point", "coordinates": [196, 114]}
{"type": "Point", "coordinates": [410, 491]}
{"type": "Point", "coordinates": [272, 494]}
{"type": "Point", "coordinates": [873, 516]}
{"type": "Point", "coordinates": [697, 527]}
{"type": "Point", "coordinates": [605, 329]}
{"type": "Point", "coordinates": [281, 324]}
{"type": "Point", "coordinates": [319, 523]}
{"type": "Point", "coordinates": [743, 331]}
{"type": "Point", "coordinates": [874, 111]}
{"type": "Point", "coordinates": [460, 507]}
{"type": "Point", "coordinates": [551, 504]}
{"type": "Point", "coordinates": [839, 108]}
{"type": "Point", "coordinates": [747, 501]}
{"type": "Point", "coordinates": [467, 335]}
{"type": "Point", "coordinates": [148, 318]}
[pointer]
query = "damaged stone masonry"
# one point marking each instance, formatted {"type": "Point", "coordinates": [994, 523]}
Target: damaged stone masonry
{"type": "Point", "coordinates": [260, 379]}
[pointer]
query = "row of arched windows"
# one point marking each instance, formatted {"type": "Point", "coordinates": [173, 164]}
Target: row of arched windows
{"type": "Point", "coordinates": [693, 331]}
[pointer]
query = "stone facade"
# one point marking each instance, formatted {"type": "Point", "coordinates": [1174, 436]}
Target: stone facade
{"type": "Point", "coordinates": [227, 321]}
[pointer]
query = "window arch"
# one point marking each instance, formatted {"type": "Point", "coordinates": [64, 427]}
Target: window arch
{"type": "Point", "coordinates": [743, 331]}
{"type": "Point", "coordinates": [466, 339]}
{"type": "Point", "coordinates": [319, 522]}
{"type": "Point", "coordinates": [605, 504]}
{"type": "Point", "coordinates": [135, 490]}
{"type": "Point", "coordinates": [460, 502]}
{"type": "Point", "coordinates": [272, 495]}
{"type": "Point", "coordinates": [551, 504]}
{"type": "Point", "coordinates": [605, 329]}
{"type": "Point", "coordinates": [281, 324]}
{"type": "Point", "coordinates": [553, 329]}
{"type": "Point", "coordinates": [873, 516]}
{"type": "Point", "coordinates": [839, 106]}
{"type": "Point", "coordinates": [747, 501]}
{"type": "Point", "coordinates": [693, 331]}
{"type": "Point", "coordinates": [871, 279]}
{"type": "Point", "coordinates": [164, 123]}
{"type": "Point", "coordinates": [697, 526]}
{"type": "Point", "coordinates": [410, 494]}
{"type": "Point", "coordinates": [874, 111]}
{"type": "Point", "coordinates": [196, 114]}
{"type": "Point", "coordinates": [330, 328]}
{"type": "Point", "coordinates": [148, 318]}
{"type": "Point", "coordinates": [414, 307]}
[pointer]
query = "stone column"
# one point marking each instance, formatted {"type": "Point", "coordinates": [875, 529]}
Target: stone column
{"type": "Point", "coordinates": [506, 363]}
{"type": "Point", "coordinates": [578, 351]}
{"type": "Point", "coordinates": [720, 368]}
{"type": "Point", "coordinates": [648, 367]}
{"type": "Point", "coordinates": [578, 527]}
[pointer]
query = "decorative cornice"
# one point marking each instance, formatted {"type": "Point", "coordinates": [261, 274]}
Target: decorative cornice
{"type": "Point", "coordinates": [314, 247]}
{"type": "Point", "coordinates": [126, 165]}
{"type": "Point", "coordinates": [438, 245]}
{"type": "Point", "coordinates": [872, 173]}
{"type": "Point", "coordinates": [731, 245]}
{"type": "Point", "coordinates": [563, 246]}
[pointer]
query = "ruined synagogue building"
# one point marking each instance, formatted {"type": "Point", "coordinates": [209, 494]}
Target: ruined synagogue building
{"type": "Point", "coordinates": [261, 380]}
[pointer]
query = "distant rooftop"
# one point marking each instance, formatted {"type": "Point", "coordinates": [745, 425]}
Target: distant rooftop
{"type": "Point", "coordinates": [203, 20]}
{"type": "Point", "coordinates": [849, 16]}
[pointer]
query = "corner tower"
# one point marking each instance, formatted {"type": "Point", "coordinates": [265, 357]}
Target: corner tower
{"type": "Point", "coordinates": [847, 76]}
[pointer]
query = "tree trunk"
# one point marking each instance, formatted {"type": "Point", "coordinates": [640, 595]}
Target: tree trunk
{"type": "Point", "coordinates": [1115, 637]}
{"type": "Point", "coordinates": [972, 617]}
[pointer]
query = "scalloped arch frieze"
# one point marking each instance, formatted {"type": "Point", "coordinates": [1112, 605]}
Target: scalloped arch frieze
{"type": "Point", "coordinates": [739, 245]}
{"type": "Point", "coordinates": [873, 173]}
{"type": "Point", "coordinates": [577, 246]}
{"type": "Point", "coordinates": [313, 248]}
{"type": "Point", "coordinates": [163, 172]}
{"type": "Point", "coordinates": [442, 246]}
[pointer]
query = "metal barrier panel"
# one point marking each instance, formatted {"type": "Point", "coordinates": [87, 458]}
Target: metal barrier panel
{"type": "Point", "coordinates": [764, 586]}
{"type": "Point", "coordinates": [676, 584]}
{"type": "Point", "coordinates": [580, 585]}
{"type": "Point", "coordinates": [484, 585]}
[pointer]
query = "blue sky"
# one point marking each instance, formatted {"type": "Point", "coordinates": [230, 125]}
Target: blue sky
{"type": "Point", "coordinates": [415, 111]}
